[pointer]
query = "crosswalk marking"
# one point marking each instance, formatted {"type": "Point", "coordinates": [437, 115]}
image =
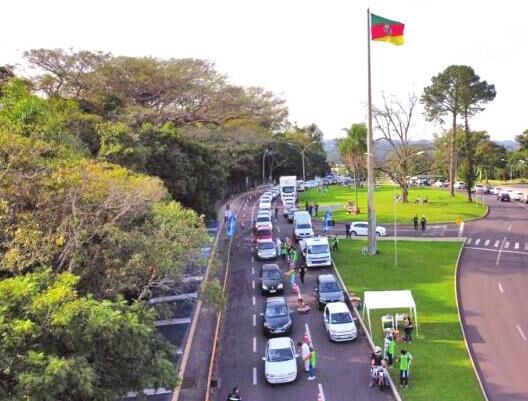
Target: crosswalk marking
{"type": "Point", "coordinates": [477, 241]}
{"type": "Point", "coordinates": [516, 245]}
{"type": "Point", "coordinates": [486, 243]}
{"type": "Point", "coordinates": [506, 245]}
{"type": "Point", "coordinates": [468, 241]}
{"type": "Point", "coordinates": [496, 244]}
{"type": "Point", "coordinates": [526, 246]}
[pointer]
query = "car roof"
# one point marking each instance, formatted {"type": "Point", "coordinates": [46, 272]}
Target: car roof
{"type": "Point", "coordinates": [269, 266]}
{"type": "Point", "coordinates": [276, 300]}
{"type": "Point", "coordinates": [327, 277]}
{"type": "Point", "coordinates": [317, 239]}
{"type": "Point", "coordinates": [358, 222]}
{"type": "Point", "coordinates": [279, 342]}
{"type": "Point", "coordinates": [337, 307]}
{"type": "Point", "coordinates": [267, 215]}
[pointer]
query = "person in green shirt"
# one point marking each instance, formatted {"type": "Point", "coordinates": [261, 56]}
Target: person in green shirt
{"type": "Point", "coordinates": [405, 364]}
{"type": "Point", "coordinates": [391, 349]}
{"type": "Point", "coordinates": [313, 362]}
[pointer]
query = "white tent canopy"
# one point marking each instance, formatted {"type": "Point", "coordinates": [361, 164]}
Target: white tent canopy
{"type": "Point", "coordinates": [390, 300]}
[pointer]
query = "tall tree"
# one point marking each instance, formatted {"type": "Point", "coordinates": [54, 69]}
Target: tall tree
{"type": "Point", "coordinates": [522, 140]}
{"type": "Point", "coordinates": [352, 150]}
{"type": "Point", "coordinates": [445, 97]}
{"type": "Point", "coordinates": [489, 156]}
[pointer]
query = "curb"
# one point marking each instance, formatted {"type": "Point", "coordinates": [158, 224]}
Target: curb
{"type": "Point", "coordinates": [367, 334]}
{"type": "Point", "coordinates": [468, 349]}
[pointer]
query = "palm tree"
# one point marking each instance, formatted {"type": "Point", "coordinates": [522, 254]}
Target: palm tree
{"type": "Point", "coordinates": [352, 150]}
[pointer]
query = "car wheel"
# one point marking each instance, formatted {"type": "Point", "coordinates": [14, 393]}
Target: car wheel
{"type": "Point", "coordinates": [378, 234]}
{"type": "Point", "coordinates": [353, 233]}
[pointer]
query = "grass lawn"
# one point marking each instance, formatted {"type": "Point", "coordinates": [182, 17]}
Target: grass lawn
{"type": "Point", "coordinates": [441, 207]}
{"type": "Point", "coordinates": [441, 369]}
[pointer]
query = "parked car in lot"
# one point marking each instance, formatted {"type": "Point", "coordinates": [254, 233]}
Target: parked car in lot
{"type": "Point", "coordinates": [504, 197]}
{"type": "Point", "coordinates": [328, 290]}
{"type": "Point", "coordinates": [361, 228]}
{"type": "Point", "coordinates": [271, 279]}
{"type": "Point", "coordinates": [338, 322]}
{"type": "Point", "coordinates": [280, 360]}
{"type": "Point", "coordinates": [266, 249]}
{"type": "Point", "coordinates": [439, 184]}
{"type": "Point", "coordinates": [276, 318]}
{"type": "Point", "coordinates": [459, 185]}
{"type": "Point", "coordinates": [495, 191]}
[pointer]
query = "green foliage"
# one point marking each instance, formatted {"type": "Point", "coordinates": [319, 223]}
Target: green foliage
{"type": "Point", "coordinates": [57, 345]}
{"type": "Point", "coordinates": [213, 295]}
{"type": "Point", "coordinates": [522, 139]}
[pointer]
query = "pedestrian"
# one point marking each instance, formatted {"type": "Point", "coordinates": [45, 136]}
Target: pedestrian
{"type": "Point", "coordinates": [408, 328]}
{"type": "Point", "coordinates": [310, 209]}
{"type": "Point", "coordinates": [278, 245]}
{"type": "Point", "coordinates": [316, 206]}
{"type": "Point", "coordinates": [415, 221]}
{"type": "Point", "coordinates": [291, 277]}
{"type": "Point", "coordinates": [283, 251]}
{"type": "Point", "coordinates": [234, 395]}
{"type": "Point", "coordinates": [276, 212]}
{"type": "Point", "coordinates": [405, 364]}
{"type": "Point", "coordinates": [347, 231]}
{"type": "Point", "coordinates": [335, 244]}
{"type": "Point", "coordinates": [386, 343]}
{"type": "Point", "coordinates": [226, 215]}
{"type": "Point", "coordinates": [302, 271]}
{"type": "Point", "coordinates": [424, 222]}
{"type": "Point", "coordinates": [375, 361]}
{"type": "Point", "coordinates": [313, 362]}
{"type": "Point", "coordinates": [305, 354]}
{"type": "Point", "coordinates": [391, 350]}
{"type": "Point", "coordinates": [306, 206]}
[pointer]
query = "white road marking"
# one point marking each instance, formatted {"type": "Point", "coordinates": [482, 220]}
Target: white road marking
{"type": "Point", "coordinates": [252, 259]}
{"type": "Point", "coordinates": [516, 245]}
{"type": "Point", "coordinates": [507, 245]}
{"type": "Point", "coordinates": [526, 246]}
{"type": "Point", "coordinates": [496, 250]}
{"type": "Point", "coordinates": [252, 269]}
{"type": "Point", "coordinates": [321, 393]}
{"type": "Point", "coordinates": [497, 244]}
{"type": "Point", "coordinates": [468, 241]}
{"type": "Point", "coordinates": [500, 251]}
{"type": "Point", "coordinates": [500, 288]}
{"type": "Point", "coordinates": [509, 227]}
{"type": "Point", "coordinates": [254, 300]}
{"type": "Point", "coordinates": [254, 320]}
{"type": "Point", "coordinates": [254, 344]}
{"type": "Point", "coordinates": [486, 243]}
{"type": "Point", "coordinates": [253, 284]}
{"type": "Point", "coordinates": [307, 329]}
{"type": "Point", "coordinates": [477, 241]}
{"type": "Point", "coordinates": [254, 376]}
{"type": "Point", "coordinates": [461, 230]}
{"type": "Point", "coordinates": [278, 229]}
{"type": "Point", "coordinates": [521, 333]}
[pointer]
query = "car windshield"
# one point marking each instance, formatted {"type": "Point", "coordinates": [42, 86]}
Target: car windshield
{"type": "Point", "coordinates": [330, 286]}
{"type": "Point", "coordinates": [271, 274]}
{"type": "Point", "coordinates": [263, 218]}
{"type": "Point", "coordinates": [288, 190]}
{"type": "Point", "coordinates": [338, 318]}
{"type": "Point", "coordinates": [304, 226]}
{"type": "Point", "coordinates": [276, 310]}
{"type": "Point", "coordinates": [264, 233]}
{"type": "Point", "coordinates": [266, 245]}
{"type": "Point", "coordinates": [316, 249]}
{"type": "Point", "coordinates": [280, 355]}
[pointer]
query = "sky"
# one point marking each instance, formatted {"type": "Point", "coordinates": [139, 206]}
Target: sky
{"type": "Point", "coordinates": [313, 54]}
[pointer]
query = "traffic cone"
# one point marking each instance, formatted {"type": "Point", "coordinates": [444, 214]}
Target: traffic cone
{"type": "Point", "coordinates": [320, 397]}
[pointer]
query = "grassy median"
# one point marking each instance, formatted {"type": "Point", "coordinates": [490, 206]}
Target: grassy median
{"type": "Point", "coordinates": [440, 208]}
{"type": "Point", "coordinates": [441, 369]}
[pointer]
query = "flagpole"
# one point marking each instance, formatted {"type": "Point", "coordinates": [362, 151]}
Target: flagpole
{"type": "Point", "coordinates": [372, 249]}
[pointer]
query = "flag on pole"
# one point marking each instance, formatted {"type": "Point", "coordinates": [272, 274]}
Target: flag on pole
{"type": "Point", "coordinates": [386, 30]}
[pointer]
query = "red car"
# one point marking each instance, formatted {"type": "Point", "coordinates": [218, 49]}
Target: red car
{"type": "Point", "coordinates": [263, 233]}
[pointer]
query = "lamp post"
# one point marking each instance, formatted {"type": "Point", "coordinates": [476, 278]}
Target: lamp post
{"type": "Point", "coordinates": [395, 216]}
{"type": "Point", "coordinates": [511, 166]}
{"type": "Point", "coordinates": [302, 149]}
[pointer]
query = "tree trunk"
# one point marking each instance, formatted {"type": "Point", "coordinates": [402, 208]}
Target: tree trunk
{"type": "Point", "coordinates": [452, 164]}
{"type": "Point", "coordinates": [470, 180]}
{"type": "Point", "coordinates": [405, 191]}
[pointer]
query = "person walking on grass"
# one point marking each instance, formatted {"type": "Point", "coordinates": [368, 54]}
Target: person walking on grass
{"type": "Point", "coordinates": [391, 349]}
{"type": "Point", "coordinates": [408, 328]}
{"type": "Point", "coordinates": [405, 364]}
{"type": "Point", "coordinates": [415, 221]}
{"type": "Point", "coordinates": [313, 362]}
{"type": "Point", "coordinates": [335, 244]}
{"type": "Point", "coordinates": [424, 222]}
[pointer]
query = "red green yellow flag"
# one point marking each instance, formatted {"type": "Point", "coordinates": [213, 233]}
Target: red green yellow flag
{"type": "Point", "coordinates": [386, 30]}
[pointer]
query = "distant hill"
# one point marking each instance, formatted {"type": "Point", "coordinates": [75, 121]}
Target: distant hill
{"type": "Point", "coordinates": [332, 151]}
{"type": "Point", "coordinates": [508, 144]}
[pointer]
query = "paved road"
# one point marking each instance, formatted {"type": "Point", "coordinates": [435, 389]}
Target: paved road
{"type": "Point", "coordinates": [342, 372]}
{"type": "Point", "coordinates": [493, 284]}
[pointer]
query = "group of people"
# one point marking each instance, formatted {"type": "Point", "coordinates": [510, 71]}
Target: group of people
{"type": "Point", "coordinates": [423, 222]}
{"type": "Point", "coordinates": [312, 208]}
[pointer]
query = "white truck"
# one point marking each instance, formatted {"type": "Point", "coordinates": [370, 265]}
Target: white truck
{"type": "Point", "coordinates": [287, 186]}
{"type": "Point", "coordinates": [302, 225]}
{"type": "Point", "coordinates": [316, 251]}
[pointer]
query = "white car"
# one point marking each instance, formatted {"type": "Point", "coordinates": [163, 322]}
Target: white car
{"type": "Point", "coordinates": [459, 185]}
{"type": "Point", "coordinates": [495, 191]}
{"type": "Point", "coordinates": [280, 360]}
{"type": "Point", "coordinates": [361, 228]}
{"type": "Point", "coordinates": [438, 184]}
{"type": "Point", "coordinates": [263, 220]}
{"type": "Point", "coordinates": [265, 204]}
{"type": "Point", "coordinates": [517, 196]}
{"type": "Point", "coordinates": [338, 322]}
{"type": "Point", "coordinates": [266, 249]}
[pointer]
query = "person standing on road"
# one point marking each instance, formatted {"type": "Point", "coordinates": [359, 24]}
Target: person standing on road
{"type": "Point", "coordinates": [302, 271]}
{"type": "Point", "coordinates": [405, 364]}
{"type": "Point", "coordinates": [415, 221]}
{"type": "Point", "coordinates": [234, 395]}
{"type": "Point", "coordinates": [278, 245]}
{"type": "Point", "coordinates": [283, 251]}
{"type": "Point", "coordinates": [291, 277]}
{"type": "Point", "coordinates": [408, 328]}
{"type": "Point", "coordinates": [316, 206]}
{"type": "Point", "coordinates": [424, 222]}
{"type": "Point", "coordinates": [276, 212]}
{"type": "Point", "coordinates": [306, 206]}
{"type": "Point", "coordinates": [305, 355]}
{"type": "Point", "coordinates": [347, 231]}
{"type": "Point", "coordinates": [313, 362]}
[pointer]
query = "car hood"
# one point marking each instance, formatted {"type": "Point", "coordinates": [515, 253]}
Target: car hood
{"type": "Point", "coordinates": [280, 368]}
{"type": "Point", "coordinates": [271, 282]}
{"type": "Point", "coordinates": [276, 322]}
{"type": "Point", "coordinates": [331, 295]}
{"type": "Point", "coordinates": [343, 327]}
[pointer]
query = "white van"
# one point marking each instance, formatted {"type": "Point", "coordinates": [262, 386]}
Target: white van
{"type": "Point", "coordinates": [338, 322]}
{"type": "Point", "coordinates": [302, 225]}
{"type": "Point", "coordinates": [316, 252]}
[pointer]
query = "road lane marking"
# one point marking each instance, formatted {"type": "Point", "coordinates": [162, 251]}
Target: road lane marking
{"type": "Point", "coordinates": [254, 300]}
{"type": "Point", "coordinates": [254, 344]}
{"type": "Point", "coordinates": [278, 229]}
{"type": "Point", "coordinates": [252, 269]}
{"type": "Point", "coordinates": [468, 241]}
{"type": "Point", "coordinates": [254, 320]}
{"type": "Point", "coordinates": [486, 243]}
{"type": "Point", "coordinates": [496, 250]}
{"type": "Point", "coordinates": [253, 284]}
{"type": "Point", "coordinates": [521, 333]}
{"type": "Point", "coordinates": [509, 227]}
{"type": "Point", "coordinates": [252, 259]}
{"type": "Point", "coordinates": [516, 245]}
{"type": "Point", "coordinates": [307, 331]}
{"type": "Point", "coordinates": [477, 241]}
{"type": "Point", "coordinates": [500, 251]}
{"type": "Point", "coordinates": [507, 245]}
{"type": "Point", "coordinates": [254, 376]}
{"type": "Point", "coordinates": [500, 288]}
{"type": "Point", "coordinates": [526, 246]}
{"type": "Point", "coordinates": [497, 244]}
{"type": "Point", "coordinates": [321, 393]}
{"type": "Point", "coordinates": [461, 230]}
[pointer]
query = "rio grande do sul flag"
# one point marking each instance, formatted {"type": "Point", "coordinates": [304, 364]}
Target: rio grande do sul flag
{"type": "Point", "coordinates": [386, 30]}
